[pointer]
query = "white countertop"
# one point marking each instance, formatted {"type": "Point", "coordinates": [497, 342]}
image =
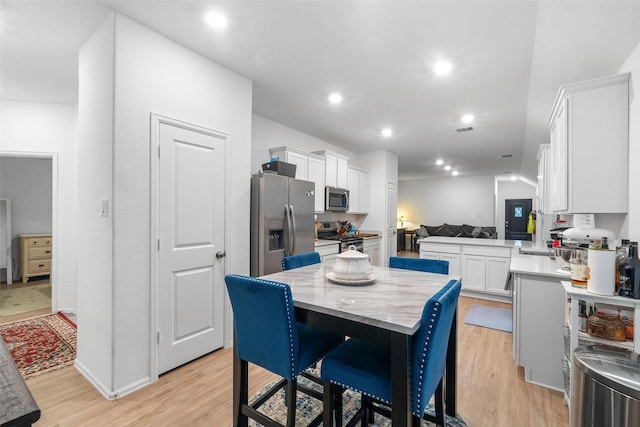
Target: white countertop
{"type": "Point", "coordinates": [321, 242]}
{"type": "Point", "coordinates": [372, 237]}
{"type": "Point", "coordinates": [394, 301]}
{"type": "Point", "coordinates": [477, 242]}
{"type": "Point", "coordinates": [538, 266]}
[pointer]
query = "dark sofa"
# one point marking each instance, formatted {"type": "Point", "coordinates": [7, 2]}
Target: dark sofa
{"type": "Point", "coordinates": [451, 230]}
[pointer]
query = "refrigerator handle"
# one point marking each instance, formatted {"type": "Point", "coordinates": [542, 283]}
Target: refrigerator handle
{"type": "Point", "coordinates": [287, 249]}
{"type": "Point", "coordinates": [293, 229]}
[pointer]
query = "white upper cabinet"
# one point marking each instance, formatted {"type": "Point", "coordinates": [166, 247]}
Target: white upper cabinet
{"type": "Point", "coordinates": [309, 167]}
{"type": "Point", "coordinates": [543, 182]}
{"type": "Point", "coordinates": [358, 186]}
{"type": "Point", "coordinates": [589, 133]}
{"type": "Point", "coordinates": [316, 175]}
{"type": "Point", "coordinates": [336, 169]}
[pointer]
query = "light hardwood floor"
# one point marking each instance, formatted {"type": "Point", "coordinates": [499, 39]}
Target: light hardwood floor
{"type": "Point", "coordinates": [491, 390]}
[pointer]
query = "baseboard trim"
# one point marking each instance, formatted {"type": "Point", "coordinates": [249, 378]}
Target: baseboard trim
{"type": "Point", "coordinates": [490, 297]}
{"type": "Point", "coordinates": [105, 391]}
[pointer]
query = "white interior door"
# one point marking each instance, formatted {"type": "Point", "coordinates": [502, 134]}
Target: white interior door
{"type": "Point", "coordinates": [190, 276]}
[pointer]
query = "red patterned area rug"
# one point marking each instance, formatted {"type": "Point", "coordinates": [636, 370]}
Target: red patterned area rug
{"type": "Point", "coordinates": [40, 344]}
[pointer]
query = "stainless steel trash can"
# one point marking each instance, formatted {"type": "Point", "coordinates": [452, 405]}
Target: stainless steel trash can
{"type": "Point", "coordinates": [606, 388]}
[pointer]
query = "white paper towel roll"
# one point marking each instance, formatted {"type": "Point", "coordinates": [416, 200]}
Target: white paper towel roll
{"type": "Point", "coordinates": [602, 271]}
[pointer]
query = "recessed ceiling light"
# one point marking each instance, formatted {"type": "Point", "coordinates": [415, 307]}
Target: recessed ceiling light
{"type": "Point", "coordinates": [454, 173]}
{"type": "Point", "coordinates": [447, 168]}
{"type": "Point", "coordinates": [467, 118]}
{"type": "Point", "coordinates": [386, 132]}
{"type": "Point", "coordinates": [514, 177]}
{"type": "Point", "coordinates": [439, 162]}
{"type": "Point", "coordinates": [215, 19]}
{"type": "Point", "coordinates": [442, 68]}
{"type": "Point", "coordinates": [335, 98]}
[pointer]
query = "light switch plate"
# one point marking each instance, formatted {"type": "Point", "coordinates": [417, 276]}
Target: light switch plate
{"type": "Point", "coordinates": [105, 207]}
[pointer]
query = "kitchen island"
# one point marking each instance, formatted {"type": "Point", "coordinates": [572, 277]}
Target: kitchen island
{"type": "Point", "coordinates": [484, 264]}
{"type": "Point", "coordinates": [520, 273]}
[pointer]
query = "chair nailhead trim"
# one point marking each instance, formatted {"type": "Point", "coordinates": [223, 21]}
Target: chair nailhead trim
{"type": "Point", "coordinates": [434, 317]}
{"type": "Point", "coordinates": [289, 316]}
{"type": "Point", "coordinates": [361, 392]}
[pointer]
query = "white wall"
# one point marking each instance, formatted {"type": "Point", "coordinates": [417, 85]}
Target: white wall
{"type": "Point", "coordinates": [27, 182]}
{"type": "Point", "coordinates": [46, 130]}
{"type": "Point", "coordinates": [454, 200]}
{"type": "Point", "coordinates": [151, 74]}
{"type": "Point", "coordinates": [269, 134]}
{"type": "Point", "coordinates": [95, 232]}
{"type": "Point", "coordinates": [383, 169]}
{"type": "Point", "coordinates": [507, 189]}
{"type": "Point", "coordinates": [632, 227]}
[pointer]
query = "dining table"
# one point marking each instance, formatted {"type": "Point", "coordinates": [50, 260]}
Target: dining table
{"type": "Point", "coordinates": [384, 309]}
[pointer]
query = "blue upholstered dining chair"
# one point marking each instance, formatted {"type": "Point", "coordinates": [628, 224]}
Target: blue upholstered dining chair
{"type": "Point", "coordinates": [365, 367]}
{"type": "Point", "coordinates": [297, 261]}
{"type": "Point", "coordinates": [420, 264]}
{"type": "Point", "coordinates": [267, 335]}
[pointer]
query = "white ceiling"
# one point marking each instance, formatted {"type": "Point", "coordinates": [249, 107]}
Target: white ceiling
{"type": "Point", "coordinates": [509, 59]}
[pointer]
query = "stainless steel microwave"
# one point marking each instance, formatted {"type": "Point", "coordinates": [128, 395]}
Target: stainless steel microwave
{"type": "Point", "coordinates": [336, 199]}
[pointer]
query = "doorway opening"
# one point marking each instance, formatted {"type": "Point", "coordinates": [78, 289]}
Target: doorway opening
{"type": "Point", "coordinates": [28, 180]}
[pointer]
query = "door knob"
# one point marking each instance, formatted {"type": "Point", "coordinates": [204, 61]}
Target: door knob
{"type": "Point", "coordinates": [221, 254]}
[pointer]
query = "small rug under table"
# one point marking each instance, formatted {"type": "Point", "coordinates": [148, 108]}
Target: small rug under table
{"type": "Point", "coordinates": [307, 408]}
{"type": "Point", "coordinates": [40, 344]}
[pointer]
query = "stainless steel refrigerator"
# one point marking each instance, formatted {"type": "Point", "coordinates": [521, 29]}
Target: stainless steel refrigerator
{"type": "Point", "coordinates": [282, 220]}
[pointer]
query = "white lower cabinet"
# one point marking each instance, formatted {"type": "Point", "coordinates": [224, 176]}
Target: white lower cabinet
{"type": "Point", "coordinates": [538, 343]}
{"type": "Point", "coordinates": [486, 269]}
{"type": "Point", "coordinates": [372, 248]}
{"type": "Point", "coordinates": [443, 252]}
{"type": "Point", "coordinates": [328, 251]}
{"type": "Point", "coordinates": [473, 271]}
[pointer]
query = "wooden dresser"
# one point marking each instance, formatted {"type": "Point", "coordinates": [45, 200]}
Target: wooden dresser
{"type": "Point", "coordinates": [35, 255]}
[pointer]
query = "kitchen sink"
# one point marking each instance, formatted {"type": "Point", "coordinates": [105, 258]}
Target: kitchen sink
{"type": "Point", "coordinates": [535, 251]}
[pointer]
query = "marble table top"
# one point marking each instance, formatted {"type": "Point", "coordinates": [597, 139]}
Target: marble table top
{"type": "Point", "coordinates": [394, 301]}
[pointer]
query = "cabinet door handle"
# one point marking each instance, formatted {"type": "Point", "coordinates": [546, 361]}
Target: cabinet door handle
{"type": "Point", "coordinates": [40, 265]}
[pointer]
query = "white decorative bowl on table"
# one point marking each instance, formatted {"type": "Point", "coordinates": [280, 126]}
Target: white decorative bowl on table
{"type": "Point", "coordinates": [351, 268]}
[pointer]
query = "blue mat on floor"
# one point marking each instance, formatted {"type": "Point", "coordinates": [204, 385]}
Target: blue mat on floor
{"type": "Point", "coordinates": [490, 317]}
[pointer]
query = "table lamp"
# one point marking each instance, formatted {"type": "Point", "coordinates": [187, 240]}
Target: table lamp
{"type": "Point", "coordinates": [402, 219]}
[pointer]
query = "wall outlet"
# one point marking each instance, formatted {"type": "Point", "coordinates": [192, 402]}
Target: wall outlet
{"type": "Point", "coordinates": [105, 207]}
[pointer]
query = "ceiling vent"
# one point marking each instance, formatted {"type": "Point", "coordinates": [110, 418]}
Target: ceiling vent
{"type": "Point", "coordinates": [467, 129]}
{"type": "Point", "coordinates": [505, 156]}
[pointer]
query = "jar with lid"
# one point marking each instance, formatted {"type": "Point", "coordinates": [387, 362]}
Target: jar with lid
{"type": "Point", "coordinates": [579, 268]}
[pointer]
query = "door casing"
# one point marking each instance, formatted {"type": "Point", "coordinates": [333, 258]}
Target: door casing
{"type": "Point", "coordinates": [156, 120]}
{"type": "Point", "coordinates": [53, 156]}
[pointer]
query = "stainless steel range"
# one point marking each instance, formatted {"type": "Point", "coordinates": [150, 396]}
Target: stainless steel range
{"type": "Point", "coordinates": [331, 231]}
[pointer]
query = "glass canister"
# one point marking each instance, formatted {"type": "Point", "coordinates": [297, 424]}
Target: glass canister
{"type": "Point", "coordinates": [579, 271]}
